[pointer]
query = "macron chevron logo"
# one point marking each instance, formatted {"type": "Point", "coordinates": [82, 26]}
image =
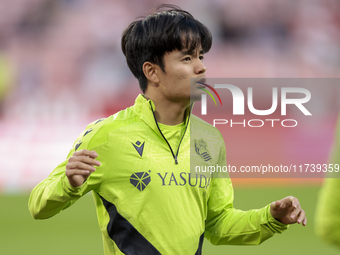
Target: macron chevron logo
{"type": "Point", "coordinates": [88, 131]}
{"type": "Point", "coordinates": [77, 145]}
{"type": "Point", "coordinates": [139, 147]}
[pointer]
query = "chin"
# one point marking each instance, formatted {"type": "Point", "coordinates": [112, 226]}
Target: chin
{"type": "Point", "coordinates": [196, 95]}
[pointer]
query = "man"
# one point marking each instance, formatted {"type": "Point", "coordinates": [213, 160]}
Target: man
{"type": "Point", "coordinates": [137, 162]}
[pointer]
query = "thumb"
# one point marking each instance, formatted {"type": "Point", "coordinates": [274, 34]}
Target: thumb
{"type": "Point", "coordinates": [276, 205]}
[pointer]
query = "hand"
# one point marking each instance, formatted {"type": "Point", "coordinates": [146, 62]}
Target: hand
{"type": "Point", "coordinates": [288, 211]}
{"type": "Point", "coordinates": [80, 166]}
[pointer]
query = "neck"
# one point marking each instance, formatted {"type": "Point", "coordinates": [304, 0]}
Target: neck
{"type": "Point", "coordinates": [168, 113]}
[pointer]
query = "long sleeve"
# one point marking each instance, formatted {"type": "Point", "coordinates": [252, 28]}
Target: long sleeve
{"type": "Point", "coordinates": [227, 225]}
{"type": "Point", "coordinates": [55, 193]}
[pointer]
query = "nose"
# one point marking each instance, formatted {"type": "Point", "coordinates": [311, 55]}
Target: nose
{"type": "Point", "coordinates": [200, 67]}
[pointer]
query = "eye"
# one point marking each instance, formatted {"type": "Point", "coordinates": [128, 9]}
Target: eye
{"type": "Point", "coordinates": [187, 59]}
{"type": "Point", "coordinates": [201, 57]}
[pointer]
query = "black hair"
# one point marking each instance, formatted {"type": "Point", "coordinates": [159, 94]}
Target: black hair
{"type": "Point", "coordinates": [168, 28]}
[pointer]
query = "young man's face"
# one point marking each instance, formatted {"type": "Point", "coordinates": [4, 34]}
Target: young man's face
{"type": "Point", "coordinates": [182, 71]}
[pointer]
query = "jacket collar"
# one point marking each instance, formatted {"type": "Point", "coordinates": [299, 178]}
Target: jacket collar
{"type": "Point", "coordinates": [145, 107]}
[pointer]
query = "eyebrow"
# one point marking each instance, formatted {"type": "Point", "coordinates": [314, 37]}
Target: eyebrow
{"type": "Point", "coordinates": [190, 52]}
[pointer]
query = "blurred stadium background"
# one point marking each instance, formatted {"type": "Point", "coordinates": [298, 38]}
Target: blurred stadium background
{"type": "Point", "coordinates": [61, 67]}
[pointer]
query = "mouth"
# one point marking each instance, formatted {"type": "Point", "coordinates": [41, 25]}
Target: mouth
{"type": "Point", "coordinates": [201, 83]}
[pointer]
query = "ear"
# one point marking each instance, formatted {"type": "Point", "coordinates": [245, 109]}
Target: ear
{"type": "Point", "coordinates": [150, 72]}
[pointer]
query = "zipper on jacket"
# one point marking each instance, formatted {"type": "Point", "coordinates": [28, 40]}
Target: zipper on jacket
{"type": "Point", "coordinates": [172, 152]}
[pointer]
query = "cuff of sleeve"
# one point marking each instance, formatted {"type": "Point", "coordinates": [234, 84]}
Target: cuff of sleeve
{"type": "Point", "coordinates": [277, 226]}
{"type": "Point", "coordinates": [73, 191]}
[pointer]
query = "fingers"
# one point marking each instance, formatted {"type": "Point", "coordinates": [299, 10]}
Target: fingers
{"type": "Point", "coordinates": [82, 163]}
{"type": "Point", "coordinates": [74, 172]}
{"type": "Point", "coordinates": [78, 168]}
{"type": "Point", "coordinates": [304, 222]}
{"type": "Point", "coordinates": [295, 204]}
{"type": "Point", "coordinates": [288, 210]}
{"type": "Point", "coordinates": [298, 214]}
{"type": "Point", "coordinates": [84, 159]}
{"type": "Point", "coordinates": [88, 153]}
{"type": "Point", "coordinates": [302, 218]}
{"type": "Point", "coordinates": [276, 205]}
